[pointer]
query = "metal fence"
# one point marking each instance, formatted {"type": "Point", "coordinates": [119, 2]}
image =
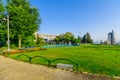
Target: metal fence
{"type": "Point", "coordinates": [50, 62]}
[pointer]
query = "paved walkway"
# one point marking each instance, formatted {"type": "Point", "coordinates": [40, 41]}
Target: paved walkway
{"type": "Point", "coordinates": [16, 70]}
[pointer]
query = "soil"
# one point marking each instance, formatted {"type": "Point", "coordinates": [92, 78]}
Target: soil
{"type": "Point", "coordinates": [17, 70]}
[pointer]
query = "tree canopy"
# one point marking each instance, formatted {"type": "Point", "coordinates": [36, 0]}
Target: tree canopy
{"type": "Point", "coordinates": [3, 30]}
{"type": "Point", "coordinates": [24, 19]}
{"type": "Point", "coordinates": [67, 38]}
{"type": "Point", "coordinates": [86, 38]}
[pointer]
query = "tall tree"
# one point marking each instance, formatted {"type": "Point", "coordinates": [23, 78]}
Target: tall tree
{"type": "Point", "coordinates": [86, 38]}
{"type": "Point", "coordinates": [79, 38]}
{"type": "Point", "coordinates": [68, 37]}
{"type": "Point", "coordinates": [24, 19]}
{"type": "Point", "coordinates": [3, 27]}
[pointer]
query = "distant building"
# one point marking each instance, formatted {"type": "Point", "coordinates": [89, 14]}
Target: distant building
{"type": "Point", "coordinates": [46, 37]}
{"type": "Point", "coordinates": [111, 38]}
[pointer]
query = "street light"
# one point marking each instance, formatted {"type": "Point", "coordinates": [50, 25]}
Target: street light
{"type": "Point", "coordinates": [8, 33]}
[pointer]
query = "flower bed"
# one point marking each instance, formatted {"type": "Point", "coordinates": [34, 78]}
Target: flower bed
{"type": "Point", "coordinates": [22, 51]}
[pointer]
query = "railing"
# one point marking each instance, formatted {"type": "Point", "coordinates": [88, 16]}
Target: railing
{"type": "Point", "coordinates": [29, 58]}
{"type": "Point", "coordinates": [49, 62]}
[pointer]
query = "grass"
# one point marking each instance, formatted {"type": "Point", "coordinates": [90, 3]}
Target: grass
{"type": "Point", "coordinates": [96, 59]}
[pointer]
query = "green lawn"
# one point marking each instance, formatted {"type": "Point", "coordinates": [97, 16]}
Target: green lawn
{"type": "Point", "coordinates": [98, 59]}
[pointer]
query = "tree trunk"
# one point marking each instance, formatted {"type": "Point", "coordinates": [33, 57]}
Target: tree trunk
{"type": "Point", "coordinates": [19, 42]}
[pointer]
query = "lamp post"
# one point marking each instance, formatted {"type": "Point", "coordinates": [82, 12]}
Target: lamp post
{"type": "Point", "coordinates": [8, 33]}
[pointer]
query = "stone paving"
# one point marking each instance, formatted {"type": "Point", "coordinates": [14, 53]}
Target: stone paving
{"type": "Point", "coordinates": [17, 70]}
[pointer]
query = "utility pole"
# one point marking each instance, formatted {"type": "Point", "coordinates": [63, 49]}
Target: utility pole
{"type": "Point", "coordinates": [8, 32]}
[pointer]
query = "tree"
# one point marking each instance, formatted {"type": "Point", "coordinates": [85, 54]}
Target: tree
{"type": "Point", "coordinates": [57, 39]}
{"type": "Point", "coordinates": [86, 38]}
{"type": "Point", "coordinates": [24, 19]}
{"type": "Point", "coordinates": [2, 9]}
{"type": "Point", "coordinates": [29, 40]}
{"type": "Point", "coordinates": [75, 41]}
{"type": "Point", "coordinates": [79, 38]}
{"type": "Point", "coordinates": [68, 37]}
{"type": "Point", "coordinates": [39, 41]}
{"type": "Point", "coordinates": [60, 39]}
{"type": "Point", "coordinates": [3, 27]}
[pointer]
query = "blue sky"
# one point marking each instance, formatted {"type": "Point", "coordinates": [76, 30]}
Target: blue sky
{"type": "Point", "coordinates": [98, 17]}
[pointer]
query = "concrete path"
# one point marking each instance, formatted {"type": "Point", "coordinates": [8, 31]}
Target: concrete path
{"type": "Point", "coordinates": [16, 70]}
